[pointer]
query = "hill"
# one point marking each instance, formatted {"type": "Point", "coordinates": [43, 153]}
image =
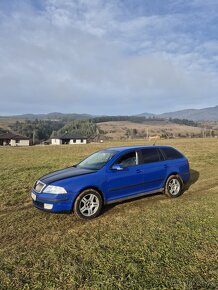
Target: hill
{"type": "Point", "coordinates": [50, 116]}
{"type": "Point", "coordinates": [126, 129]}
{"type": "Point", "coordinates": [146, 115]}
{"type": "Point", "coordinates": [206, 114]}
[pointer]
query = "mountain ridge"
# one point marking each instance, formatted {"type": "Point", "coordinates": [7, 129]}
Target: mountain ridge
{"type": "Point", "coordinates": [204, 114]}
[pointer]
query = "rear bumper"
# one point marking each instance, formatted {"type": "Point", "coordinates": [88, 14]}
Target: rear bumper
{"type": "Point", "coordinates": [51, 202]}
{"type": "Point", "coordinates": [186, 177]}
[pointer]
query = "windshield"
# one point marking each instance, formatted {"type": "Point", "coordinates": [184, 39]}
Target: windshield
{"type": "Point", "coordinates": [97, 160]}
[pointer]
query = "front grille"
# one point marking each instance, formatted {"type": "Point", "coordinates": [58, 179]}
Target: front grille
{"type": "Point", "coordinates": [38, 204]}
{"type": "Point", "coordinates": [39, 186]}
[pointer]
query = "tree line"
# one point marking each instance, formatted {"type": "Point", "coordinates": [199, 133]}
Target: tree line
{"type": "Point", "coordinates": [37, 129]}
{"type": "Point", "coordinates": [135, 119]}
{"type": "Point", "coordinates": [86, 128]}
{"type": "Point", "coordinates": [184, 122]}
{"type": "Point", "coordinates": [42, 130]}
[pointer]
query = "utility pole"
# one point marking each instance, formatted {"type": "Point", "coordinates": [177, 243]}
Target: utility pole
{"type": "Point", "coordinates": [204, 132]}
{"type": "Point", "coordinates": [34, 136]}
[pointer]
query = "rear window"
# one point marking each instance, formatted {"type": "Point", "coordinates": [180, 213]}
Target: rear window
{"type": "Point", "coordinates": [149, 155]}
{"type": "Point", "coordinates": [171, 153]}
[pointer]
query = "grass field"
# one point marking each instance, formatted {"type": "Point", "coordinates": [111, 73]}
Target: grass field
{"type": "Point", "coordinates": [148, 243]}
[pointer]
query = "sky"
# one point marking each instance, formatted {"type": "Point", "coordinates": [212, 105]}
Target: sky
{"type": "Point", "coordinates": [114, 57]}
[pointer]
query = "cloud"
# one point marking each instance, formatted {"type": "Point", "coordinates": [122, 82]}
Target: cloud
{"type": "Point", "coordinates": [104, 57]}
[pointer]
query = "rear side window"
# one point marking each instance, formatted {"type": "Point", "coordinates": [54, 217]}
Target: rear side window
{"type": "Point", "coordinates": [149, 155]}
{"type": "Point", "coordinates": [171, 153]}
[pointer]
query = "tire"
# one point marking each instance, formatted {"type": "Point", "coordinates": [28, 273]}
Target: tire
{"type": "Point", "coordinates": [173, 186]}
{"type": "Point", "coordinates": [88, 204]}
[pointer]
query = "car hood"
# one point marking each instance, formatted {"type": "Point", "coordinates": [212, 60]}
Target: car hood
{"type": "Point", "coordinates": [64, 173]}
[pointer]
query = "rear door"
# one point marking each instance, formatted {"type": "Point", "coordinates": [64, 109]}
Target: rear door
{"type": "Point", "coordinates": [126, 182]}
{"type": "Point", "coordinates": [154, 168]}
{"type": "Point", "coordinates": [176, 162]}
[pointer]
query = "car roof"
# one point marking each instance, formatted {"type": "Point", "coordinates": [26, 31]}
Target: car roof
{"type": "Point", "coordinates": [127, 148]}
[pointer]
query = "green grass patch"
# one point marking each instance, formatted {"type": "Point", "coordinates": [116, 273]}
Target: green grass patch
{"type": "Point", "coordinates": [147, 243]}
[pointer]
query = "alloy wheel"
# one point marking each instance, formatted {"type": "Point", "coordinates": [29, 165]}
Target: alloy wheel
{"type": "Point", "coordinates": [174, 186]}
{"type": "Point", "coordinates": [89, 205]}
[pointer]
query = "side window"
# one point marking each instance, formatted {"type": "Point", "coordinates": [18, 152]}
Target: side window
{"type": "Point", "coordinates": [149, 155]}
{"type": "Point", "coordinates": [171, 153]}
{"type": "Point", "coordinates": [127, 160]}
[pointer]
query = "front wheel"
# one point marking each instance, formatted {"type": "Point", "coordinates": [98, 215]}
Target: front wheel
{"type": "Point", "coordinates": [173, 186]}
{"type": "Point", "coordinates": [88, 204]}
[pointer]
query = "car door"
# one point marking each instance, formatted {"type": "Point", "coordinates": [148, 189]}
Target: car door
{"type": "Point", "coordinates": [176, 162]}
{"type": "Point", "coordinates": [126, 182]}
{"type": "Point", "coordinates": [153, 167]}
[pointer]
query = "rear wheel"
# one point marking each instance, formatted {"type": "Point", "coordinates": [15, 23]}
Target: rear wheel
{"type": "Point", "coordinates": [173, 186]}
{"type": "Point", "coordinates": [88, 204]}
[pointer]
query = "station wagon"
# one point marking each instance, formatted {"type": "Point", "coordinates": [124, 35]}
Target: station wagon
{"type": "Point", "coordinates": [112, 175]}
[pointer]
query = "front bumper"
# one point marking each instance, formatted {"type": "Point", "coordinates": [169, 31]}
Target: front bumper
{"type": "Point", "coordinates": [52, 202]}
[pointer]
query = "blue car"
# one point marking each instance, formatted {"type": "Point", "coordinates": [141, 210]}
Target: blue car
{"type": "Point", "coordinates": [112, 175]}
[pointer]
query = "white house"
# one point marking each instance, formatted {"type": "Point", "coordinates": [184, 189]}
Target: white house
{"type": "Point", "coordinates": [68, 139]}
{"type": "Point", "coordinates": [10, 139]}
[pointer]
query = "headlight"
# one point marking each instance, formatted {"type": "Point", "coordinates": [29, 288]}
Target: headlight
{"type": "Point", "coordinates": [54, 189]}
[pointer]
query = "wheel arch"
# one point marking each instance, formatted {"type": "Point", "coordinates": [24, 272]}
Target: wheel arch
{"type": "Point", "coordinates": [174, 173]}
{"type": "Point", "coordinates": [89, 187]}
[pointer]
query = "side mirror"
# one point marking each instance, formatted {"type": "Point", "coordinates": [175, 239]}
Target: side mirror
{"type": "Point", "coordinates": [117, 167]}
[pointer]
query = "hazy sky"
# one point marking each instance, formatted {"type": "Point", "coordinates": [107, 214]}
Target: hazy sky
{"type": "Point", "coordinates": [108, 57]}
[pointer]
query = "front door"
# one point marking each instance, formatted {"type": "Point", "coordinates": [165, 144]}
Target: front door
{"type": "Point", "coordinates": [128, 181]}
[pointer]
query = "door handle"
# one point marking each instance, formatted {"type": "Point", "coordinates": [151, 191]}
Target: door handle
{"type": "Point", "coordinates": [139, 171]}
{"type": "Point", "coordinates": [165, 165]}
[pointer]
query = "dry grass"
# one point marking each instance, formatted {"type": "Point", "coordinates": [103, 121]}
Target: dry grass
{"type": "Point", "coordinates": [5, 123]}
{"type": "Point", "coordinates": [118, 129]}
{"type": "Point", "coordinates": [148, 243]}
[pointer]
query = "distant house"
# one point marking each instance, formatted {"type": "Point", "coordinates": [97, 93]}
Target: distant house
{"type": "Point", "coordinates": [10, 139]}
{"type": "Point", "coordinates": [68, 139]}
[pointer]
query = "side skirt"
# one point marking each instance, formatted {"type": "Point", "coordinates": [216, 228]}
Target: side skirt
{"type": "Point", "coordinates": [135, 196]}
